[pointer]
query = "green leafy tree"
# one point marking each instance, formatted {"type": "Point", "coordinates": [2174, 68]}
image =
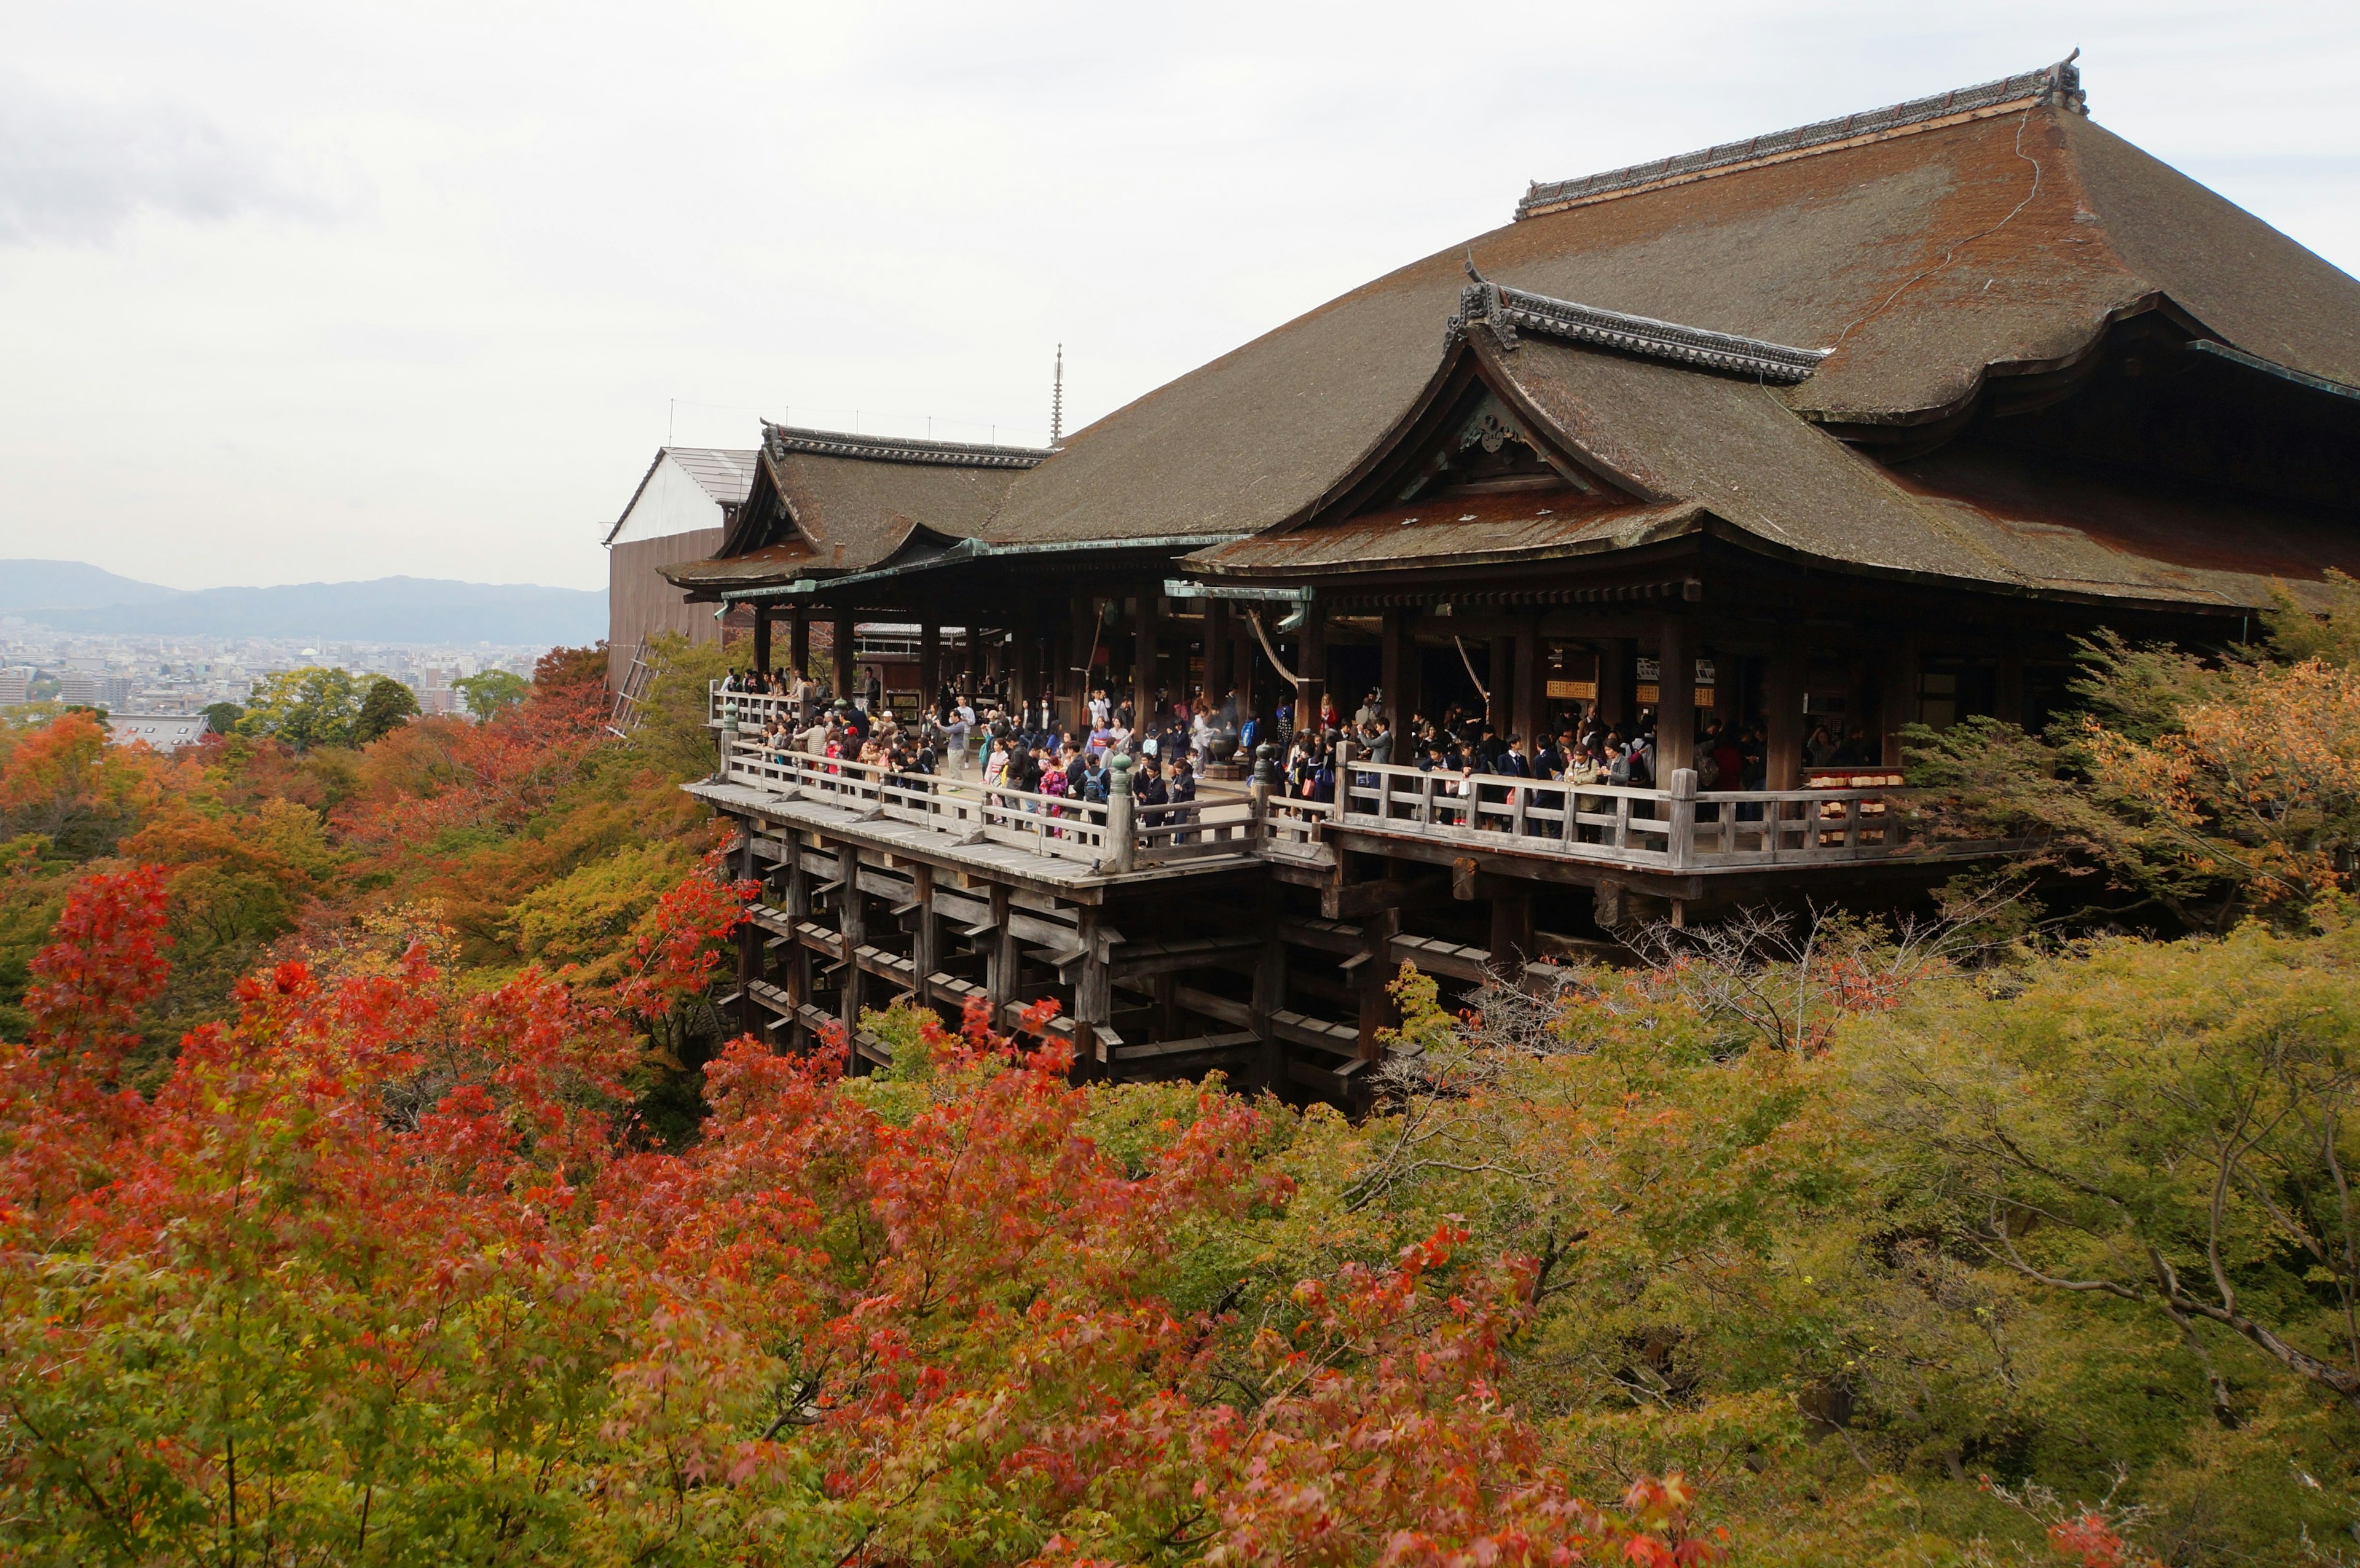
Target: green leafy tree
{"type": "Point", "coordinates": [2167, 1126]}
{"type": "Point", "coordinates": [223, 716]}
{"type": "Point", "coordinates": [305, 708]}
{"type": "Point", "coordinates": [492, 693]}
{"type": "Point", "coordinates": [388, 705]}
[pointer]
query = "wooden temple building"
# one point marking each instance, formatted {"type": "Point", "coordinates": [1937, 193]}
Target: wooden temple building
{"type": "Point", "coordinates": [1858, 424]}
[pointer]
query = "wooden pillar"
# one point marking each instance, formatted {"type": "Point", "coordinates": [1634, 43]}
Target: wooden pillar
{"type": "Point", "coordinates": [1245, 666]}
{"type": "Point", "coordinates": [926, 937]}
{"type": "Point", "coordinates": [844, 655]}
{"type": "Point", "coordinates": [1390, 660]}
{"type": "Point", "coordinates": [1676, 697]}
{"type": "Point", "coordinates": [750, 935]}
{"type": "Point", "coordinates": [1898, 694]}
{"type": "Point", "coordinates": [1614, 680]}
{"type": "Point", "coordinates": [1093, 994]}
{"type": "Point", "coordinates": [1023, 670]}
{"type": "Point", "coordinates": [1376, 972]}
{"type": "Point", "coordinates": [1782, 703]}
{"type": "Point", "coordinates": [761, 635]}
{"type": "Point", "coordinates": [1527, 708]}
{"type": "Point", "coordinates": [1142, 675]}
{"type": "Point", "coordinates": [799, 642]}
{"type": "Point", "coordinates": [1268, 996]}
{"type": "Point", "coordinates": [798, 956]}
{"type": "Point", "coordinates": [930, 661]}
{"type": "Point", "coordinates": [1311, 667]}
{"type": "Point", "coordinates": [1216, 651]}
{"type": "Point", "coordinates": [2008, 699]}
{"type": "Point", "coordinates": [1073, 685]}
{"type": "Point", "coordinates": [852, 924]}
{"type": "Point", "coordinates": [1511, 933]}
{"type": "Point", "coordinates": [999, 963]}
{"type": "Point", "coordinates": [1500, 676]}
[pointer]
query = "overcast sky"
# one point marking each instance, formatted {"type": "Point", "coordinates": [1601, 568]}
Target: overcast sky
{"type": "Point", "coordinates": [304, 291]}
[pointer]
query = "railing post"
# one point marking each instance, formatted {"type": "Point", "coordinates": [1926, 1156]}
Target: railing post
{"type": "Point", "coordinates": [1122, 839]}
{"type": "Point", "coordinates": [729, 740]}
{"type": "Point", "coordinates": [1258, 794]}
{"type": "Point", "coordinates": [1681, 838]}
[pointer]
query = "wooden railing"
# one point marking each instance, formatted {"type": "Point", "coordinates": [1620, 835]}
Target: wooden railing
{"type": "Point", "coordinates": [1678, 829]}
{"type": "Point", "coordinates": [1113, 836]}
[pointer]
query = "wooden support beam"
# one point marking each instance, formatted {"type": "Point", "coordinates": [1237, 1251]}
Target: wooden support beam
{"type": "Point", "coordinates": [1143, 677]}
{"type": "Point", "coordinates": [1391, 677]}
{"type": "Point", "coordinates": [750, 936]}
{"type": "Point", "coordinates": [1311, 667]}
{"type": "Point", "coordinates": [1239, 1015]}
{"type": "Point", "coordinates": [799, 642]}
{"type": "Point", "coordinates": [761, 636]}
{"type": "Point", "coordinates": [1269, 998]}
{"type": "Point", "coordinates": [1024, 661]}
{"type": "Point", "coordinates": [1232, 1041]}
{"type": "Point", "coordinates": [842, 652]}
{"type": "Point", "coordinates": [1375, 974]}
{"type": "Point", "coordinates": [1436, 956]}
{"type": "Point", "coordinates": [1898, 684]}
{"type": "Point", "coordinates": [1093, 991]}
{"type": "Point", "coordinates": [1675, 695]}
{"type": "Point", "coordinates": [1138, 960]}
{"type": "Point", "coordinates": [930, 661]}
{"type": "Point", "coordinates": [1356, 899]}
{"type": "Point", "coordinates": [925, 938]}
{"type": "Point", "coordinates": [1000, 964]}
{"type": "Point", "coordinates": [1527, 708]}
{"type": "Point", "coordinates": [1782, 703]}
{"type": "Point", "coordinates": [1512, 930]}
{"type": "Point", "coordinates": [852, 930]}
{"type": "Point", "coordinates": [1322, 935]}
{"type": "Point", "coordinates": [1614, 680]}
{"type": "Point", "coordinates": [1501, 680]}
{"type": "Point", "coordinates": [1073, 680]}
{"type": "Point", "coordinates": [1218, 646]}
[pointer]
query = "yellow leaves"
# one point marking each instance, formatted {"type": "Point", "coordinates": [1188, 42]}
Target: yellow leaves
{"type": "Point", "coordinates": [2261, 777]}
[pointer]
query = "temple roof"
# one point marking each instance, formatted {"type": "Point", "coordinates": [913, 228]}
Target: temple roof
{"type": "Point", "coordinates": [2059, 84]}
{"type": "Point", "coordinates": [1914, 259]}
{"type": "Point", "coordinates": [1679, 453]}
{"type": "Point", "coordinates": [825, 502]}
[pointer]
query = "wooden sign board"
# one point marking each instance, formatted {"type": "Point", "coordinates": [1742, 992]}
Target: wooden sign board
{"type": "Point", "coordinates": [1573, 691]}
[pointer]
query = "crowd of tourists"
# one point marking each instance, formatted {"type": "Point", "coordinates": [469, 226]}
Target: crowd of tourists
{"type": "Point", "coordinates": [1025, 752]}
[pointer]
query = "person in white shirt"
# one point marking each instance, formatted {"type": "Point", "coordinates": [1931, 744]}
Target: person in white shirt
{"type": "Point", "coordinates": [955, 737]}
{"type": "Point", "coordinates": [1101, 709]}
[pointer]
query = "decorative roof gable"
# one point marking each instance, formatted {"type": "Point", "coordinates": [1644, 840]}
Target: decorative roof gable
{"type": "Point", "coordinates": [784, 439]}
{"type": "Point", "coordinates": [1509, 310]}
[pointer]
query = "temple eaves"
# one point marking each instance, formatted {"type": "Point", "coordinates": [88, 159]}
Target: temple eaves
{"type": "Point", "coordinates": [783, 439]}
{"type": "Point", "coordinates": [1510, 310]}
{"type": "Point", "coordinates": [2060, 84]}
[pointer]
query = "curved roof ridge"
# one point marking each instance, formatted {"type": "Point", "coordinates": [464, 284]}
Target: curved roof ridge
{"type": "Point", "coordinates": [784, 439]}
{"type": "Point", "coordinates": [1507, 310]}
{"type": "Point", "coordinates": [2060, 83]}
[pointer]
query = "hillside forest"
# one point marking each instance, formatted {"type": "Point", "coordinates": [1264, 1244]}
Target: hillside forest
{"type": "Point", "coordinates": [378, 1186]}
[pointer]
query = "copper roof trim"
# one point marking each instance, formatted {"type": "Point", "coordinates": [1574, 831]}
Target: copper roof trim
{"type": "Point", "coordinates": [2060, 84]}
{"type": "Point", "coordinates": [784, 439]}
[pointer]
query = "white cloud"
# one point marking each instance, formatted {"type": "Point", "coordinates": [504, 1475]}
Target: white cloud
{"type": "Point", "coordinates": [78, 169]}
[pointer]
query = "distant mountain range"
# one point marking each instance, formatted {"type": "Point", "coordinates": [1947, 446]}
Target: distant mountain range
{"type": "Point", "coordinates": [68, 595]}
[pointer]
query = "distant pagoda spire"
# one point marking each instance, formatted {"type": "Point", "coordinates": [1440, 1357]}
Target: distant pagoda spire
{"type": "Point", "coordinates": [1057, 399]}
